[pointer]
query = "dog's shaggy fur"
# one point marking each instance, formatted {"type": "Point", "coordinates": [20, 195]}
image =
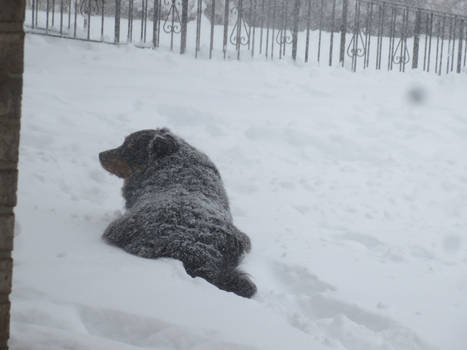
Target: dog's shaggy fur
{"type": "Point", "coordinates": [177, 208]}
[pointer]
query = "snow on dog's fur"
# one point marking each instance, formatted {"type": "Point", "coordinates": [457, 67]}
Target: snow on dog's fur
{"type": "Point", "coordinates": [177, 208]}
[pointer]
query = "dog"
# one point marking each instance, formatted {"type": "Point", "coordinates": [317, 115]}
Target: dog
{"type": "Point", "coordinates": [177, 207]}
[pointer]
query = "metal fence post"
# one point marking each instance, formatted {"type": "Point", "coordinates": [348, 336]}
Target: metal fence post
{"type": "Point", "coordinates": [261, 26]}
{"type": "Point", "coordinates": [268, 24]}
{"type": "Point", "coordinates": [61, 14]}
{"type": "Point", "coordinates": [33, 10]}
{"type": "Point", "coordinates": [416, 39]}
{"type": "Point", "coordinates": [130, 21]}
{"type": "Point", "coordinates": [69, 14]}
{"type": "Point", "coordinates": [144, 20]}
{"type": "Point", "coordinates": [253, 20]}
{"type": "Point", "coordinates": [367, 43]}
{"type": "Point", "coordinates": [404, 35]}
{"type": "Point", "coordinates": [320, 24]}
{"type": "Point", "coordinates": [213, 17]}
{"type": "Point", "coordinates": [356, 34]}
{"type": "Point", "coordinates": [53, 13]}
{"type": "Point", "coordinates": [141, 35]}
{"type": "Point", "coordinates": [345, 10]}
{"type": "Point", "coordinates": [430, 42]}
{"type": "Point", "coordinates": [238, 43]}
{"type": "Point", "coordinates": [465, 50]}
{"type": "Point", "coordinates": [226, 26]}
{"type": "Point", "coordinates": [89, 20]}
{"type": "Point", "coordinates": [184, 27]}
{"type": "Point", "coordinates": [450, 53]}
{"type": "Point", "coordinates": [199, 14]}
{"type": "Point", "coordinates": [37, 13]}
{"type": "Point", "coordinates": [117, 21]}
{"type": "Point", "coordinates": [308, 24]}
{"type": "Point", "coordinates": [333, 23]}
{"type": "Point", "coordinates": [75, 24]}
{"type": "Point", "coordinates": [453, 49]}
{"type": "Point", "coordinates": [442, 35]}
{"type": "Point", "coordinates": [461, 41]}
{"type": "Point", "coordinates": [155, 24]}
{"type": "Point", "coordinates": [282, 31]}
{"type": "Point", "coordinates": [296, 14]}
{"type": "Point", "coordinates": [47, 9]}
{"type": "Point", "coordinates": [274, 11]}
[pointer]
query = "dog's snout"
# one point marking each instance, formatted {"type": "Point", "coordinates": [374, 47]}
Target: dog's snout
{"type": "Point", "coordinates": [106, 156]}
{"type": "Point", "coordinates": [103, 156]}
{"type": "Point", "coordinates": [112, 162]}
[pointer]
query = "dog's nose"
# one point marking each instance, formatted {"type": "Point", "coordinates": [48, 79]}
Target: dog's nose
{"type": "Point", "coordinates": [101, 156]}
{"type": "Point", "coordinates": [104, 158]}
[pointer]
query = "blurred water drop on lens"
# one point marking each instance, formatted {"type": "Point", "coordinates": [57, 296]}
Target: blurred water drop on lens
{"type": "Point", "coordinates": [417, 95]}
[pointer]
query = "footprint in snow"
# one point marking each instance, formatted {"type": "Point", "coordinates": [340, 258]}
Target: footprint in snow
{"type": "Point", "coordinates": [306, 304]}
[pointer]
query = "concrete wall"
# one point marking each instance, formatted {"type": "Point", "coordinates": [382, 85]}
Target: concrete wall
{"type": "Point", "coordinates": [11, 81]}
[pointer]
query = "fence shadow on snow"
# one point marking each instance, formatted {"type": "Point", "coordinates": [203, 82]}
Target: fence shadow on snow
{"type": "Point", "coordinates": [358, 34]}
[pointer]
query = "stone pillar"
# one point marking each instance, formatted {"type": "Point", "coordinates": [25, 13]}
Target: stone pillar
{"type": "Point", "coordinates": [11, 84]}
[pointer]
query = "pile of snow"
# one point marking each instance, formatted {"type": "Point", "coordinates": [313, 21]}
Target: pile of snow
{"type": "Point", "coordinates": [353, 188]}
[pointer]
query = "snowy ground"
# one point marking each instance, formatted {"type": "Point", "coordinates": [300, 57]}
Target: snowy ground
{"type": "Point", "coordinates": [353, 188]}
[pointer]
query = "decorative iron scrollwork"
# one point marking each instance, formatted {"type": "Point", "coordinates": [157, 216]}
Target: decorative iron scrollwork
{"type": "Point", "coordinates": [397, 58]}
{"type": "Point", "coordinates": [358, 48]}
{"type": "Point", "coordinates": [89, 6]}
{"type": "Point", "coordinates": [239, 35]}
{"type": "Point", "coordinates": [284, 37]}
{"type": "Point", "coordinates": [172, 22]}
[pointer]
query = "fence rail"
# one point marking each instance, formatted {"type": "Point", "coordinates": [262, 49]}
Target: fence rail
{"type": "Point", "coordinates": [358, 34]}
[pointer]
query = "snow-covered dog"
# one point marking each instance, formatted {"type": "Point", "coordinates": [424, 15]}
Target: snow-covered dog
{"type": "Point", "coordinates": [177, 208]}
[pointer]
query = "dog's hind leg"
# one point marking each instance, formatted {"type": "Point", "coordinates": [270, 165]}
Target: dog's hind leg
{"type": "Point", "coordinates": [202, 260]}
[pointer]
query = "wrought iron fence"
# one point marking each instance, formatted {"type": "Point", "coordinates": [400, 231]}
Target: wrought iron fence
{"type": "Point", "coordinates": [358, 34]}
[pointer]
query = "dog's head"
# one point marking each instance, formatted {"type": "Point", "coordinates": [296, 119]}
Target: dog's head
{"type": "Point", "coordinates": [139, 150]}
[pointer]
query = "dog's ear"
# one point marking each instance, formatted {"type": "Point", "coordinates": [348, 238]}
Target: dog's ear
{"type": "Point", "coordinates": [162, 146]}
